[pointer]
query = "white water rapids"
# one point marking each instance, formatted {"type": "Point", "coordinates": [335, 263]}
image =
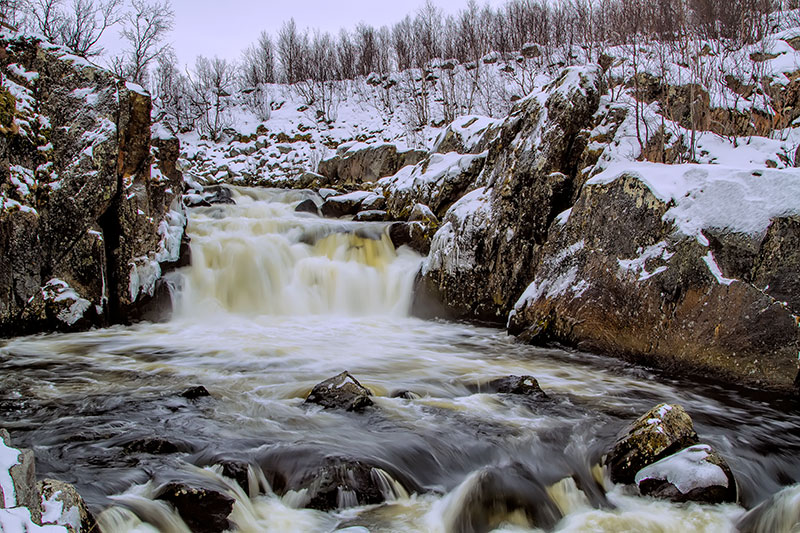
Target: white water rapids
{"type": "Point", "coordinates": [277, 301]}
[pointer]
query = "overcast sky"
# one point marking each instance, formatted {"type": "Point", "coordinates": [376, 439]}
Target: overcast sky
{"type": "Point", "coordinates": [224, 28]}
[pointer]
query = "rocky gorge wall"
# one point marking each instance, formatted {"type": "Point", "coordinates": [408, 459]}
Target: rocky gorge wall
{"type": "Point", "coordinates": [535, 223]}
{"type": "Point", "coordinates": [90, 203]}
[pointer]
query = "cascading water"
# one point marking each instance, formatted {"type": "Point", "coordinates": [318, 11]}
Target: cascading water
{"type": "Point", "coordinates": [277, 301]}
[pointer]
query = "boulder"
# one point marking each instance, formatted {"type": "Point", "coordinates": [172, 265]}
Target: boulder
{"type": "Point", "coordinates": [361, 163]}
{"type": "Point", "coordinates": [198, 391]}
{"type": "Point", "coordinates": [342, 391]}
{"type": "Point", "coordinates": [470, 134]}
{"type": "Point", "coordinates": [484, 254]}
{"type": "Point", "coordinates": [491, 496]}
{"type": "Point", "coordinates": [422, 213]}
{"type": "Point", "coordinates": [345, 204]}
{"type": "Point", "coordinates": [339, 483]}
{"type": "Point", "coordinates": [660, 432]}
{"type": "Point", "coordinates": [204, 510]}
{"type": "Point", "coordinates": [374, 215]}
{"type": "Point", "coordinates": [374, 203]}
{"type": "Point", "coordinates": [62, 505]}
{"type": "Point", "coordinates": [695, 474]}
{"type": "Point", "coordinates": [307, 206]}
{"type": "Point", "coordinates": [622, 273]}
{"type": "Point", "coordinates": [218, 194]}
{"type": "Point", "coordinates": [778, 514]}
{"type": "Point", "coordinates": [415, 235]}
{"type": "Point", "coordinates": [522, 385]}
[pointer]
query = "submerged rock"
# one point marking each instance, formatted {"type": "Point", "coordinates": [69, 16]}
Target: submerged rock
{"type": "Point", "coordinates": [204, 510]}
{"type": "Point", "coordinates": [307, 206]}
{"type": "Point", "coordinates": [660, 432]}
{"type": "Point", "coordinates": [696, 474]}
{"type": "Point", "coordinates": [523, 385]}
{"type": "Point", "coordinates": [193, 393]}
{"type": "Point", "coordinates": [374, 215]}
{"type": "Point", "coordinates": [495, 494]}
{"type": "Point", "coordinates": [341, 392]}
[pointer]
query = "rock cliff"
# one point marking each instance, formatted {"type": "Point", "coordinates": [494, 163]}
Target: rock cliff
{"type": "Point", "coordinates": [90, 205]}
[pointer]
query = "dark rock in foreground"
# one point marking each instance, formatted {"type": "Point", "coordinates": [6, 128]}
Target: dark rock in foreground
{"type": "Point", "coordinates": [341, 392]}
{"type": "Point", "coordinates": [660, 432]}
{"type": "Point", "coordinates": [523, 385]}
{"type": "Point", "coordinates": [204, 510]}
{"type": "Point", "coordinates": [307, 206]}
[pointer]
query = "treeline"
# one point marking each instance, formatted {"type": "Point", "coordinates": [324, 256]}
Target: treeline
{"type": "Point", "coordinates": [294, 55]}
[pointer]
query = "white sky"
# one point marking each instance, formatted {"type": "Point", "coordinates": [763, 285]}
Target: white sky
{"type": "Point", "coordinates": [225, 28]}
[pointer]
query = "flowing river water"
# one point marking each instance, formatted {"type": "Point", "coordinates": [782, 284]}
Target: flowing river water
{"type": "Point", "coordinates": [277, 301]}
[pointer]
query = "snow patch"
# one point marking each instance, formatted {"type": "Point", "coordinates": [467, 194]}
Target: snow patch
{"type": "Point", "coordinates": [715, 270]}
{"type": "Point", "coordinates": [53, 512]}
{"type": "Point", "coordinates": [638, 265]}
{"type": "Point", "coordinates": [687, 470]}
{"type": "Point", "coordinates": [8, 457]}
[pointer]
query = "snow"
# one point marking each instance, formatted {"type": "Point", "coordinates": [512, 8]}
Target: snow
{"type": "Point", "coordinates": [638, 265]}
{"type": "Point", "coordinates": [355, 196]}
{"type": "Point", "coordinates": [563, 217]}
{"type": "Point", "coordinates": [470, 129]}
{"type": "Point", "coordinates": [452, 246]}
{"type": "Point", "coordinates": [431, 173]}
{"type": "Point", "coordinates": [687, 470]}
{"type": "Point", "coordinates": [87, 94]}
{"type": "Point", "coordinates": [715, 270]}
{"type": "Point", "coordinates": [18, 70]}
{"type": "Point", "coordinates": [8, 458]}
{"type": "Point", "coordinates": [18, 520]}
{"type": "Point", "coordinates": [53, 512]}
{"type": "Point", "coordinates": [741, 200]}
{"type": "Point", "coordinates": [135, 88]}
{"type": "Point", "coordinates": [60, 291]}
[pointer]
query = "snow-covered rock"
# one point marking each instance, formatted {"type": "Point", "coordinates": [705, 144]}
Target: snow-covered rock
{"type": "Point", "coordinates": [695, 474]}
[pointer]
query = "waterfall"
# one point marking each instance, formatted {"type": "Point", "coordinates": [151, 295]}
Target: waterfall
{"type": "Point", "coordinates": [260, 257]}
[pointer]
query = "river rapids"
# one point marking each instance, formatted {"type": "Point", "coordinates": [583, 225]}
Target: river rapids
{"type": "Point", "coordinates": [276, 301]}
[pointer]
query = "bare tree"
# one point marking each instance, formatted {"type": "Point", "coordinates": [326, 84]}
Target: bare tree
{"type": "Point", "coordinates": [211, 85]}
{"type": "Point", "coordinates": [258, 62]}
{"type": "Point", "coordinates": [84, 22]}
{"type": "Point", "coordinates": [144, 30]}
{"type": "Point", "coordinates": [291, 47]}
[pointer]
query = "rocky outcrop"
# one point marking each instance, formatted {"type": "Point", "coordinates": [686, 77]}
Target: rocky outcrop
{"type": "Point", "coordinates": [687, 268]}
{"type": "Point", "coordinates": [482, 257]}
{"type": "Point", "coordinates": [342, 391]}
{"type": "Point", "coordinates": [663, 430]}
{"type": "Point", "coordinates": [355, 164]}
{"type": "Point", "coordinates": [90, 204]}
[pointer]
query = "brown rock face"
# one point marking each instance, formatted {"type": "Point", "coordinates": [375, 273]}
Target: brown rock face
{"type": "Point", "coordinates": [668, 311]}
{"type": "Point", "coordinates": [354, 167]}
{"type": "Point", "coordinates": [85, 194]}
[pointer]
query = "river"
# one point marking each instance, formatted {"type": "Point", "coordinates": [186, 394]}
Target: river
{"type": "Point", "coordinates": [275, 302]}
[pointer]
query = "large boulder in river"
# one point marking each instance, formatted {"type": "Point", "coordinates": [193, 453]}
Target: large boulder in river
{"type": "Point", "coordinates": [344, 204]}
{"type": "Point", "coordinates": [342, 391]}
{"type": "Point", "coordinates": [483, 255]}
{"type": "Point", "coordinates": [359, 163]}
{"type": "Point", "coordinates": [662, 431]}
{"type": "Point", "coordinates": [687, 267]}
{"type": "Point", "coordinates": [90, 203]}
{"type": "Point", "coordinates": [696, 474]}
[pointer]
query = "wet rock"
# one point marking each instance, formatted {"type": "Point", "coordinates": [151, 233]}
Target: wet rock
{"type": "Point", "coordinates": [217, 194]}
{"type": "Point", "coordinates": [307, 206]}
{"type": "Point", "coordinates": [154, 446]}
{"type": "Point", "coordinates": [695, 474]}
{"type": "Point", "coordinates": [237, 471]}
{"type": "Point", "coordinates": [62, 505]}
{"type": "Point", "coordinates": [523, 385]}
{"type": "Point", "coordinates": [405, 395]}
{"type": "Point", "coordinates": [415, 235]}
{"type": "Point", "coordinates": [193, 393]}
{"type": "Point", "coordinates": [495, 494]}
{"type": "Point", "coordinates": [341, 392]}
{"type": "Point", "coordinates": [204, 510]}
{"type": "Point", "coordinates": [340, 483]}
{"type": "Point", "coordinates": [778, 514]}
{"type": "Point", "coordinates": [343, 205]}
{"type": "Point", "coordinates": [371, 216]}
{"type": "Point", "coordinates": [660, 432]}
